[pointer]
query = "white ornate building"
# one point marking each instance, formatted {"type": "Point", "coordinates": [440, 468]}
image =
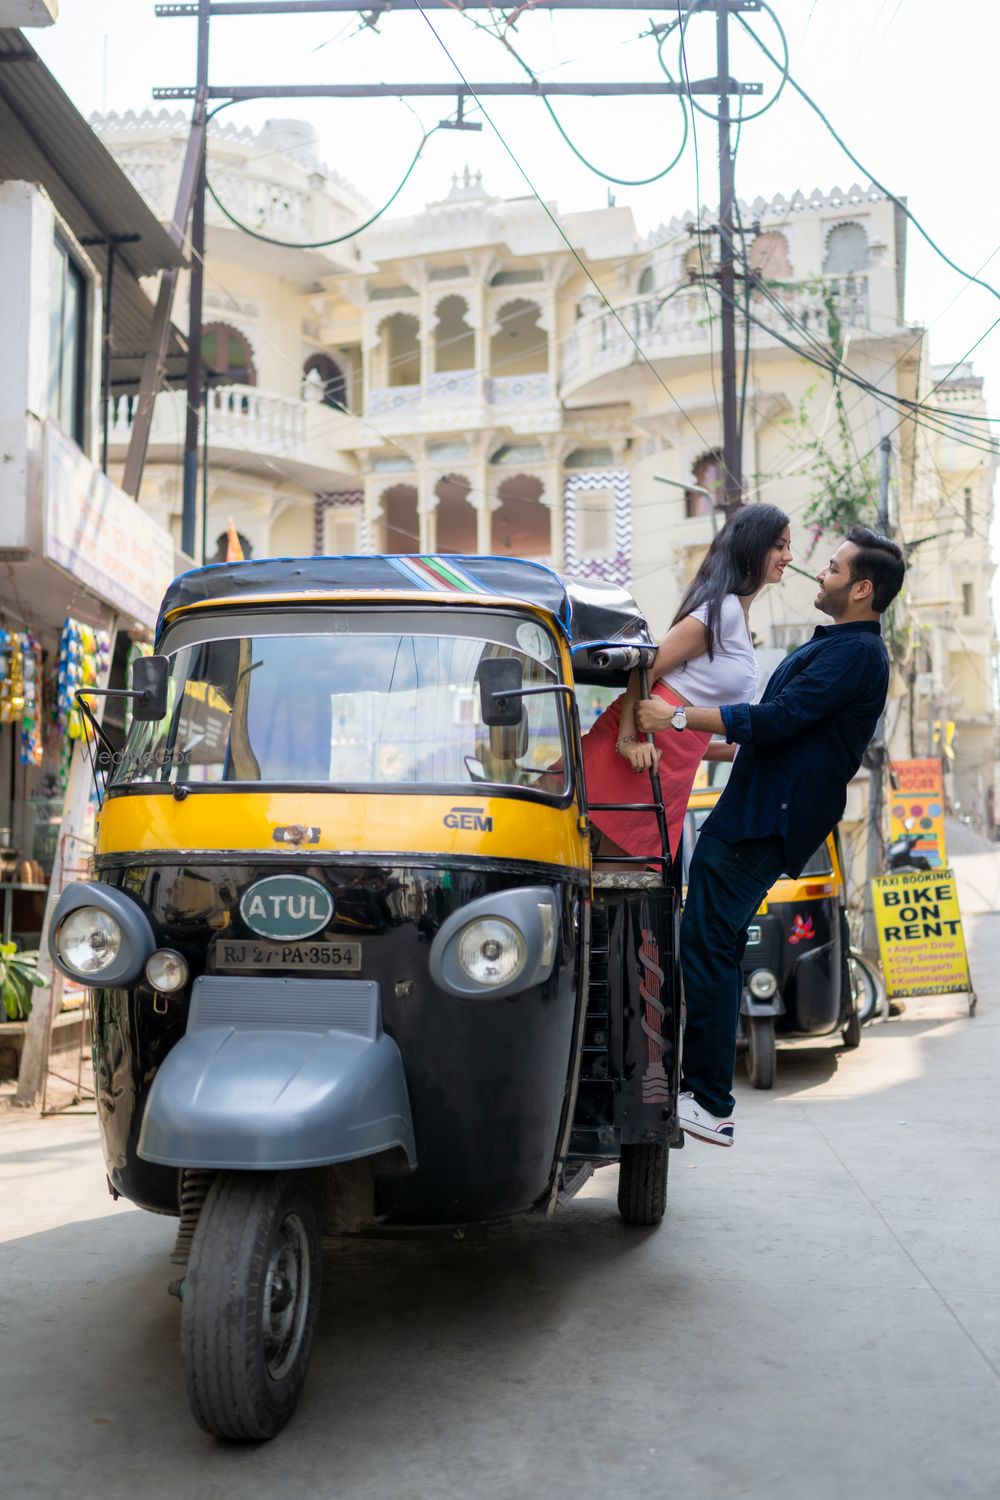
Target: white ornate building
{"type": "Point", "coordinates": [455, 381]}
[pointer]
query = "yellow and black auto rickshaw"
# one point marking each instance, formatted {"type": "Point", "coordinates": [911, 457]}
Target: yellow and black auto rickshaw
{"type": "Point", "coordinates": [801, 978]}
{"type": "Point", "coordinates": [351, 964]}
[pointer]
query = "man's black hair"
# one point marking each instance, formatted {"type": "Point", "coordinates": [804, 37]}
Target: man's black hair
{"type": "Point", "coordinates": [879, 560]}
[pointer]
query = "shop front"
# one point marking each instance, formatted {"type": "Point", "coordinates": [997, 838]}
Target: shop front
{"type": "Point", "coordinates": [76, 605]}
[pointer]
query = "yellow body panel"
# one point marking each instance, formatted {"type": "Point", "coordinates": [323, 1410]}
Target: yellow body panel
{"type": "Point", "coordinates": [348, 823]}
{"type": "Point", "coordinates": [784, 890]}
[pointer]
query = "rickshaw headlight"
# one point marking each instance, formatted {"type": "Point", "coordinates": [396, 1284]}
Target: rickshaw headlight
{"type": "Point", "coordinates": [492, 951]}
{"type": "Point", "coordinates": [167, 971]}
{"type": "Point", "coordinates": [762, 984]}
{"type": "Point", "coordinates": [88, 940]}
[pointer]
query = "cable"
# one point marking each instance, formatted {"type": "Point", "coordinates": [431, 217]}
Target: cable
{"type": "Point", "coordinates": [821, 357]}
{"type": "Point", "coordinates": [686, 76]}
{"type": "Point", "coordinates": [339, 239]}
{"type": "Point", "coordinates": [502, 38]}
{"type": "Point", "coordinates": [683, 21]}
{"type": "Point", "coordinates": [899, 203]}
{"type": "Point", "coordinates": [559, 229]}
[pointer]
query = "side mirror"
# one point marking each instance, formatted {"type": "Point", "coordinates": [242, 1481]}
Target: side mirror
{"type": "Point", "coordinates": [149, 680]}
{"type": "Point", "coordinates": [500, 682]}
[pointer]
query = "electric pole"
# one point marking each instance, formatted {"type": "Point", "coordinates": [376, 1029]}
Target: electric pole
{"type": "Point", "coordinates": [722, 86]}
{"type": "Point", "coordinates": [732, 458]}
{"type": "Point", "coordinates": [876, 756]}
{"type": "Point", "coordinates": [195, 363]}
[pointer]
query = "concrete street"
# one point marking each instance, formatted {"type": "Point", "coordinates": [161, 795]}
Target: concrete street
{"type": "Point", "coordinates": [819, 1315]}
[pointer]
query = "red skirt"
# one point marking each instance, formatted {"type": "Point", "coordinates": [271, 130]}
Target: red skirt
{"type": "Point", "coordinates": [610, 778]}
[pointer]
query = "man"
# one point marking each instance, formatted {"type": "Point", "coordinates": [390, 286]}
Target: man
{"type": "Point", "coordinates": [798, 749]}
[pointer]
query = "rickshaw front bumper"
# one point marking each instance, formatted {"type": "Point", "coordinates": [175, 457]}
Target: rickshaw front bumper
{"type": "Point", "coordinates": [277, 1074]}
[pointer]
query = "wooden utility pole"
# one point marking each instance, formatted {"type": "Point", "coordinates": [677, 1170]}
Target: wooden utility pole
{"type": "Point", "coordinates": [195, 363]}
{"type": "Point", "coordinates": [732, 458]}
{"type": "Point", "coordinates": [722, 86]}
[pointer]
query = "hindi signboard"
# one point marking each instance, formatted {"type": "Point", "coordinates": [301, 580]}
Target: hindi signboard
{"type": "Point", "coordinates": [920, 934]}
{"type": "Point", "coordinates": [917, 806]}
{"type": "Point", "coordinates": [101, 537]}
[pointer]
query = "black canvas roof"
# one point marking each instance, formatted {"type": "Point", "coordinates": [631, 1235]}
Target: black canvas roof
{"type": "Point", "coordinates": [588, 612]}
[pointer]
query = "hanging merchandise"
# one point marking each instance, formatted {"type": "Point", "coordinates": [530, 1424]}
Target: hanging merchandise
{"type": "Point", "coordinates": [11, 676]}
{"type": "Point", "coordinates": [32, 751]}
{"type": "Point", "coordinates": [84, 654]}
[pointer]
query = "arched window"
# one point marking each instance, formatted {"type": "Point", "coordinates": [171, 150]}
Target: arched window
{"type": "Point", "coordinates": [521, 524]}
{"type": "Point", "coordinates": [454, 340]}
{"type": "Point", "coordinates": [647, 282]}
{"type": "Point", "coordinates": [400, 519]}
{"type": "Point", "coordinates": [519, 346]}
{"type": "Point", "coordinates": [227, 356]}
{"type": "Point", "coordinates": [456, 516]}
{"type": "Point", "coordinates": [331, 384]}
{"type": "Point", "coordinates": [708, 475]}
{"type": "Point", "coordinates": [768, 254]}
{"type": "Point", "coordinates": [399, 338]}
{"type": "Point", "coordinates": [846, 250]}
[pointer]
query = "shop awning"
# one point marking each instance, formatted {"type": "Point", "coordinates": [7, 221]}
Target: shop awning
{"type": "Point", "coordinates": [44, 139]}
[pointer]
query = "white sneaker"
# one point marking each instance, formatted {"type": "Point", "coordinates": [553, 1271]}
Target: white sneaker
{"type": "Point", "coordinates": [696, 1120]}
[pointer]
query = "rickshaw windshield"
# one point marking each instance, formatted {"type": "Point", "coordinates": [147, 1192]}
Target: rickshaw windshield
{"type": "Point", "coordinates": [350, 698]}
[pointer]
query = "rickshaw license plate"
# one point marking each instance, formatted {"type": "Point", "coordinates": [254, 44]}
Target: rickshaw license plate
{"type": "Point", "coordinates": [339, 958]}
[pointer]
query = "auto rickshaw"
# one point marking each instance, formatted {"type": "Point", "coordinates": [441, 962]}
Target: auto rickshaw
{"type": "Point", "coordinates": [801, 978]}
{"type": "Point", "coordinates": [352, 967]}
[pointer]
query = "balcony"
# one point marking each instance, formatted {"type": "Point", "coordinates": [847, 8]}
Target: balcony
{"type": "Point", "coordinates": [684, 327]}
{"type": "Point", "coordinates": [260, 431]}
{"type": "Point", "coordinates": [462, 399]}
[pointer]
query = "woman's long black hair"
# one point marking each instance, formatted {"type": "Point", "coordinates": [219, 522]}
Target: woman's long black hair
{"type": "Point", "coordinates": [735, 563]}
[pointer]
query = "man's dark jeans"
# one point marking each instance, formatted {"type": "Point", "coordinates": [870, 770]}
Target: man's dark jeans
{"type": "Point", "coordinates": [726, 885]}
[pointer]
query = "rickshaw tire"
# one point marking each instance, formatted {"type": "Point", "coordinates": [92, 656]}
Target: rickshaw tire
{"type": "Point", "coordinates": [761, 1053]}
{"type": "Point", "coordinates": [642, 1183]}
{"type": "Point", "coordinates": [230, 1390]}
{"type": "Point", "coordinates": [852, 1031]}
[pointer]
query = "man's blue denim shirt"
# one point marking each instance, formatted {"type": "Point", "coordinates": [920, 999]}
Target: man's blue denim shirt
{"type": "Point", "coordinates": [802, 743]}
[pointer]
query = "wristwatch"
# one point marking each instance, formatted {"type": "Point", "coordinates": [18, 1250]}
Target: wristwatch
{"type": "Point", "coordinates": [679, 718]}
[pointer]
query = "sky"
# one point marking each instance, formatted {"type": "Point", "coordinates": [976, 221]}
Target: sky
{"type": "Point", "coordinates": [909, 84]}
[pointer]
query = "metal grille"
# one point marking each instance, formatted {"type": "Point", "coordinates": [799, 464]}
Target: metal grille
{"type": "Point", "coordinates": [321, 1004]}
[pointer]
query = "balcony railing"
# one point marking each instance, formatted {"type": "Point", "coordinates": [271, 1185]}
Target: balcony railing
{"type": "Point", "coordinates": [663, 326]}
{"type": "Point", "coordinates": [467, 386]}
{"type": "Point", "coordinates": [243, 417]}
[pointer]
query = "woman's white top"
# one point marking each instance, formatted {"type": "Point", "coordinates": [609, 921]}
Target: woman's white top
{"type": "Point", "coordinates": [731, 675]}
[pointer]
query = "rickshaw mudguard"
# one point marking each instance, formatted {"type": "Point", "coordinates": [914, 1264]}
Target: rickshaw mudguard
{"type": "Point", "coordinates": [276, 1074]}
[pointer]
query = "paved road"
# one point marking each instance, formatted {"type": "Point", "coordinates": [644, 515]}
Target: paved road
{"type": "Point", "coordinates": [818, 1317]}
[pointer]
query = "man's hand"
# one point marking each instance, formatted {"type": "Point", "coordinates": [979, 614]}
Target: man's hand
{"type": "Point", "coordinates": [653, 713]}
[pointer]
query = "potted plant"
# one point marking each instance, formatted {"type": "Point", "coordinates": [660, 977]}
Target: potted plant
{"type": "Point", "coordinates": [18, 977]}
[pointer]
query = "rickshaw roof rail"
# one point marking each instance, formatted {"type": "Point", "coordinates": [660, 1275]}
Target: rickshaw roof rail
{"type": "Point", "coordinates": [589, 613]}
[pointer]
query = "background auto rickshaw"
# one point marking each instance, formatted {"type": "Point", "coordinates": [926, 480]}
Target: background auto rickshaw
{"type": "Point", "coordinates": [351, 965]}
{"type": "Point", "coordinates": [800, 977]}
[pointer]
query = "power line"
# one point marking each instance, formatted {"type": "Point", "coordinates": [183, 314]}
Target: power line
{"type": "Point", "coordinates": [559, 229]}
{"type": "Point", "coordinates": [899, 202]}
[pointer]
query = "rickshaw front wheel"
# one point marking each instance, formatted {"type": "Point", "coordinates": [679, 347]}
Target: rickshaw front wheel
{"type": "Point", "coordinates": [642, 1183]}
{"type": "Point", "coordinates": [251, 1303]}
{"type": "Point", "coordinates": [761, 1054]}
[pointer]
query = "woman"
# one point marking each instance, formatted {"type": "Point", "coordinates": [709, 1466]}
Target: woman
{"type": "Point", "coordinates": [706, 657]}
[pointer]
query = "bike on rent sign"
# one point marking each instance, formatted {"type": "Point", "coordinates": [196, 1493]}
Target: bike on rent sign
{"type": "Point", "coordinates": [920, 933]}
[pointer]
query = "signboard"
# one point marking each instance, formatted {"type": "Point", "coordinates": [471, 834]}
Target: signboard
{"type": "Point", "coordinates": [101, 537]}
{"type": "Point", "coordinates": [920, 933]}
{"type": "Point", "coordinates": [917, 806]}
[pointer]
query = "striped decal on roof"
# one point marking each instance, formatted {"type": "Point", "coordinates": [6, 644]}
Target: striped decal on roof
{"type": "Point", "coordinates": [433, 573]}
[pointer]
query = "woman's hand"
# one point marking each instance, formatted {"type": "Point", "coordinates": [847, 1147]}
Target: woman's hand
{"type": "Point", "coordinates": [641, 755]}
